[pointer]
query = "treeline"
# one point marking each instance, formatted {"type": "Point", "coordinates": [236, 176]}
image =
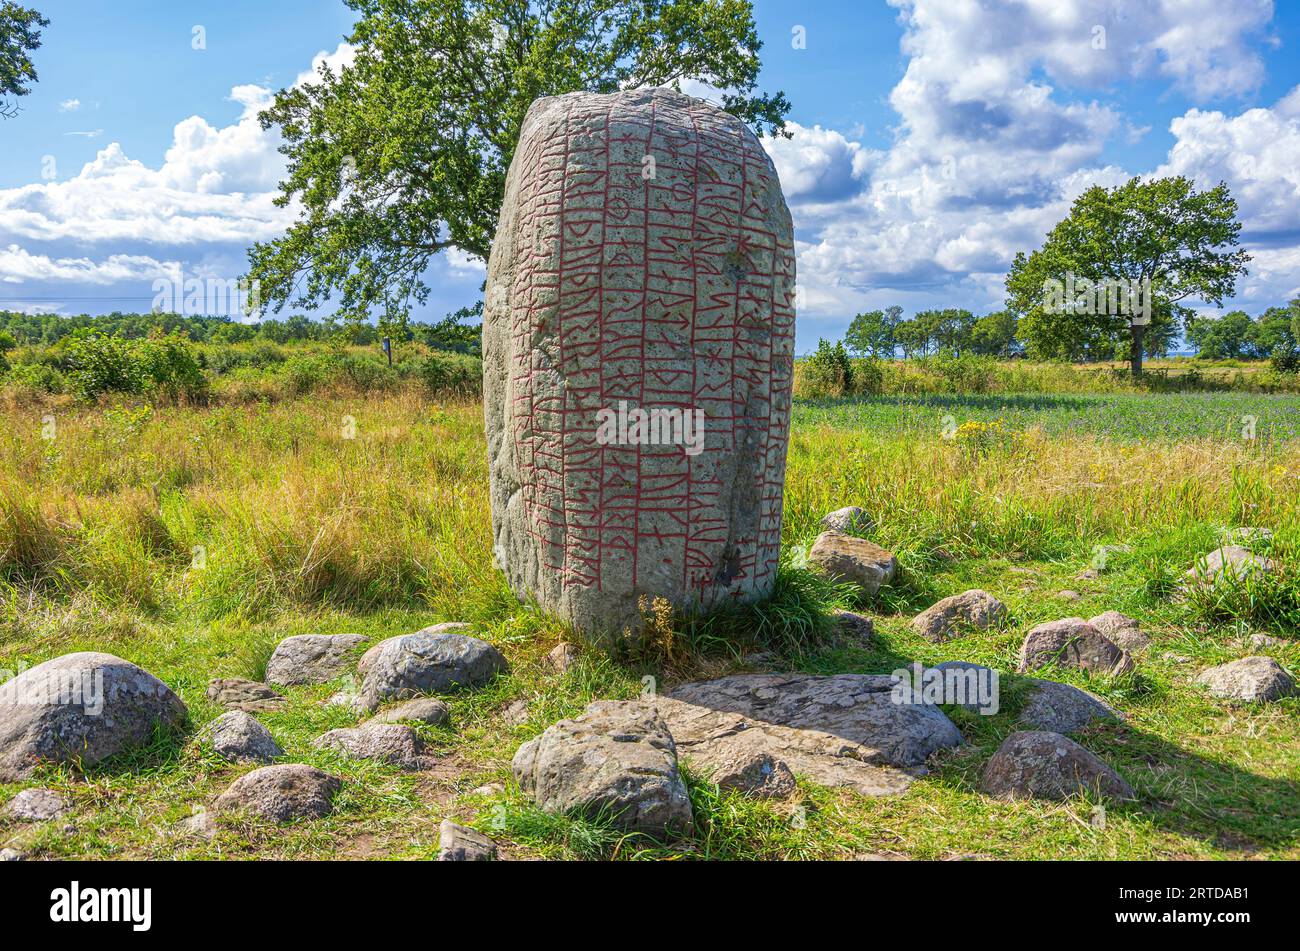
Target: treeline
{"type": "Point", "coordinates": [451, 333]}
{"type": "Point", "coordinates": [886, 334]}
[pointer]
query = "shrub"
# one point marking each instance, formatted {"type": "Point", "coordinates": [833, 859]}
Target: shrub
{"type": "Point", "coordinates": [158, 365]}
{"type": "Point", "coordinates": [40, 377]}
{"type": "Point", "coordinates": [7, 342]}
{"type": "Point", "coordinates": [305, 374]}
{"type": "Point", "coordinates": [828, 372]}
{"type": "Point", "coordinates": [452, 373]}
{"type": "Point", "coordinates": [1286, 360]}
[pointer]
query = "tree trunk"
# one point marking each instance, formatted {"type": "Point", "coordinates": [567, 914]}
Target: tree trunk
{"type": "Point", "coordinates": [1135, 349]}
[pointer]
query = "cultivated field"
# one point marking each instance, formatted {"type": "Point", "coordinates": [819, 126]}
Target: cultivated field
{"type": "Point", "coordinates": [190, 540]}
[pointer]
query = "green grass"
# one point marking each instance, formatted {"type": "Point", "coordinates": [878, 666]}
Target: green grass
{"type": "Point", "coordinates": [306, 531]}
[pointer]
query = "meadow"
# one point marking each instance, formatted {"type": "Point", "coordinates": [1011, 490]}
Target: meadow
{"type": "Point", "coordinates": [190, 537]}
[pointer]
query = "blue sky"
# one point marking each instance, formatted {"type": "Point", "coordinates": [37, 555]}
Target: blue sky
{"type": "Point", "coordinates": [932, 139]}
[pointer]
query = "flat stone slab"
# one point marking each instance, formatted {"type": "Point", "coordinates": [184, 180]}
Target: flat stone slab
{"type": "Point", "coordinates": [80, 708]}
{"type": "Point", "coordinates": [312, 658]}
{"type": "Point", "coordinates": [843, 730]}
{"type": "Point", "coordinates": [392, 743]}
{"type": "Point", "coordinates": [420, 710]}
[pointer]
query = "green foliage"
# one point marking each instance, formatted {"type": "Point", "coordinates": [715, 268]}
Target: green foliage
{"type": "Point", "coordinates": [1221, 338]}
{"type": "Point", "coordinates": [1182, 241]}
{"type": "Point", "coordinates": [20, 35]}
{"type": "Point", "coordinates": [828, 372]}
{"type": "Point", "coordinates": [872, 334]}
{"type": "Point", "coordinates": [101, 364]}
{"type": "Point", "coordinates": [452, 374]}
{"type": "Point", "coordinates": [994, 335]}
{"type": "Point", "coordinates": [1286, 360]}
{"type": "Point", "coordinates": [403, 154]}
{"type": "Point", "coordinates": [7, 342]}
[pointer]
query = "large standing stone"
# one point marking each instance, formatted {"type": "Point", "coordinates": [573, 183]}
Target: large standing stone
{"type": "Point", "coordinates": [854, 730]}
{"type": "Point", "coordinates": [312, 658]}
{"type": "Point", "coordinates": [618, 758]}
{"type": "Point", "coordinates": [80, 708]}
{"type": "Point", "coordinates": [638, 343]}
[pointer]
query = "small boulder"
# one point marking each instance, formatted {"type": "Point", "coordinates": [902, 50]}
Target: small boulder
{"type": "Point", "coordinates": [859, 627]}
{"type": "Point", "coordinates": [850, 520]}
{"type": "Point", "coordinates": [80, 708]}
{"type": "Point", "coordinates": [1068, 595]}
{"type": "Point", "coordinates": [447, 627]}
{"type": "Point", "coordinates": [457, 843]}
{"type": "Point", "coordinates": [1249, 680]}
{"type": "Point", "coordinates": [1251, 538]}
{"type": "Point", "coordinates": [1121, 630]}
{"type": "Point", "coordinates": [562, 657]}
{"type": "Point", "coordinates": [978, 689]}
{"type": "Point", "coordinates": [1231, 562]}
{"type": "Point", "coordinates": [282, 793]}
{"type": "Point", "coordinates": [1261, 641]}
{"type": "Point", "coordinates": [10, 855]}
{"type": "Point", "coordinates": [1061, 708]}
{"type": "Point", "coordinates": [1042, 765]}
{"type": "Point", "coordinates": [235, 693]}
{"type": "Point", "coordinates": [847, 558]}
{"type": "Point", "coordinates": [201, 825]}
{"type": "Point", "coordinates": [312, 658]}
{"type": "Point", "coordinates": [616, 757]}
{"type": "Point", "coordinates": [36, 805]}
{"type": "Point", "coordinates": [971, 610]}
{"type": "Point", "coordinates": [393, 743]}
{"type": "Point", "coordinates": [236, 735]}
{"type": "Point", "coordinates": [421, 710]}
{"type": "Point", "coordinates": [1072, 642]}
{"type": "Point", "coordinates": [421, 663]}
